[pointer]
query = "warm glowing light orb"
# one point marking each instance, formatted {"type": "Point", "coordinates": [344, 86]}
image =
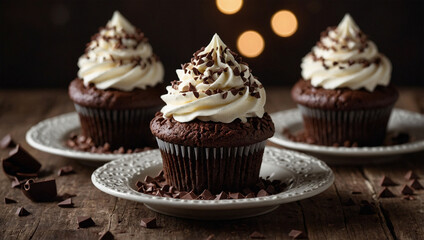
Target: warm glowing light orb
{"type": "Point", "coordinates": [250, 44]}
{"type": "Point", "coordinates": [229, 6]}
{"type": "Point", "coordinates": [284, 23]}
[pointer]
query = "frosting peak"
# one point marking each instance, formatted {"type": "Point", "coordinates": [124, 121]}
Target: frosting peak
{"type": "Point", "coordinates": [344, 57]}
{"type": "Point", "coordinates": [214, 86]}
{"type": "Point", "coordinates": [120, 57]}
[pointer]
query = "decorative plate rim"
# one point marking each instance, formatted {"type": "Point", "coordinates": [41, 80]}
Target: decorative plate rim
{"type": "Point", "coordinates": [39, 136]}
{"type": "Point", "coordinates": [293, 116]}
{"type": "Point", "coordinates": [301, 165]}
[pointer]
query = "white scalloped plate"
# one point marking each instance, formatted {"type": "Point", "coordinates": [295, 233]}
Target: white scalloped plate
{"type": "Point", "coordinates": [306, 176]}
{"type": "Point", "coordinates": [400, 121]}
{"type": "Point", "coordinates": [51, 134]}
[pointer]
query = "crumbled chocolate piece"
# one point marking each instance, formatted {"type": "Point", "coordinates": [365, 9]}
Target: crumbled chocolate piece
{"type": "Point", "coordinates": [16, 183]}
{"type": "Point", "coordinates": [66, 170]}
{"type": "Point", "coordinates": [386, 181]}
{"type": "Point", "coordinates": [236, 195]}
{"type": "Point", "coordinates": [9, 200]}
{"type": "Point", "coordinates": [206, 195]}
{"type": "Point", "coordinates": [414, 183]}
{"type": "Point", "coordinates": [296, 234]}
{"type": "Point", "coordinates": [211, 237]}
{"type": "Point", "coordinates": [107, 236]}
{"type": "Point", "coordinates": [148, 222]}
{"type": "Point", "coordinates": [221, 196]}
{"type": "Point", "coordinates": [224, 96]}
{"type": "Point", "coordinates": [22, 212]}
{"type": "Point", "coordinates": [262, 193]}
{"type": "Point", "coordinates": [406, 190]}
{"type": "Point", "coordinates": [85, 222]}
{"type": "Point", "coordinates": [20, 161]}
{"type": "Point", "coordinates": [385, 193]}
{"type": "Point", "coordinates": [408, 197]}
{"type": "Point", "coordinates": [410, 175]}
{"type": "Point", "coordinates": [189, 196]}
{"type": "Point", "coordinates": [41, 191]}
{"type": "Point", "coordinates": [250, 195]}
{"type": "Point", "coordinates": [257, 235]}
{"type": "Point", "coordinates": [149, 179]}
{"type": "Point", "coordinates": [365, 208]}
{"type": "Point", "coordinates": [67, 203]}
{"type": "Point", "coordinates": [7, 142]}
{"type": "Point", "coordinates": [196, 94]}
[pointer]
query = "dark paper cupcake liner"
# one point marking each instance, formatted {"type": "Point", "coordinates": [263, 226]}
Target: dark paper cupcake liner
{"type": "Point", "coordinates": [216, 169]}
{"type": "Point", "coordinates": [120, 128]}
{"type": "Point", "coordinates": [329, 127]}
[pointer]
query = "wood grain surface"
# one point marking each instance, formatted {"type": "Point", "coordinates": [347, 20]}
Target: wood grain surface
{"type": "Point", "coordinates": [325, 216]}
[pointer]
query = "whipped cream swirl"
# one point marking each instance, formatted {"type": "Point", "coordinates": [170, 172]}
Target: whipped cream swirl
{"type": "Point", "coordinates": [214, 86]}
{"type": "Point", "coordinates": [120, 57]}
{"type": "Point", "coordinates": [344, 57]}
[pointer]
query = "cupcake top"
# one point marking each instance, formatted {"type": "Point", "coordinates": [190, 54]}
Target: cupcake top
{"type": "Point", "coordinates": [214, 86]}
{"type": "Point", "coordinates": [120, 57]}
{"type": "Point", "coordinates": [345, 58]}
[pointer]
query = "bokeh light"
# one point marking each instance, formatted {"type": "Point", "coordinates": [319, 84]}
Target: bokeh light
{"type": "Point", "coordinates": [229, 6]}
{"type": "Point", "coordinates": [284, 23]}
{"type": "Point", "coordinates": [250, 44]}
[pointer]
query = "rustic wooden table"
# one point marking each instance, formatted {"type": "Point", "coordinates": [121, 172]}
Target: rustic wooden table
{"type": "Point", "coordinates": [321, 217]}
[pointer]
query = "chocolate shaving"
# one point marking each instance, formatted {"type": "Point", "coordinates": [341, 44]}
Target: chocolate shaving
{"type": "Point", "coordinates": [41, 191]}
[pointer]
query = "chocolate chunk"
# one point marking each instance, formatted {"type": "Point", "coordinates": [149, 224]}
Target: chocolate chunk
{"type": "Point", "coordinates": [139, 184]}
{"type": "Point", "coordinates": [149, 179]}
{"type": "Point", "coordinates": [107, 236]}
{"type": "Point", "coordinates": [67, 203]}
{"type": "Point", "coordinates": [206, 195]}
{"type": "Point", "coordinates": [224, 96]}
{"type": "Point", "coordinates": [270, 189]}
{"type": "Point", "coordinates": [296, 234]}
{"type": "Point", "coordinates": [410, 175]}
{"type": "Point", "coordinates": [406, 190]}
{"type": "Point", "coordinates": [41, 191]}
{"type": "Point", "coordinates": [7, 142]}
{"type": "Point", "coordinates": [257, 235]}
{"type": "Point", "coordinates": [385, 193]}
{"type": "Point", "coordinates": [22, 212]}
{"type": "Point", "coordinates": [236, 195]}
{"type": "Point", "coordinates": [386, 181]}
{"type": "Point", "coordinates": [9, 200]}
{"type": "Point", "coordinates": [20, 161]}
{"type": "Point", "coordinates": [165, 188]}
{"type": "Point", "coordinates": [414, 183]}
{"type": "Point", "coordinates": [348, 202]}
{"type": "Point", "coordinates": [189, 196]}
{"type": "Point", "coordinates": [262, 193]}
{"type": "Point", "coordinates": [365, 208]}
{"type": "Point", "coordinates": [250, 195]}
{"type": "Point", "coordinates": [65, 170]}
{"type": "Point", "coordinates": [221, 196]}
{"type": "Point", "coordinates": [196, 94]}
{"type": "Point", "coordinates": [85, 222]}
{"type": "Point", "coordinates": [148, 222]}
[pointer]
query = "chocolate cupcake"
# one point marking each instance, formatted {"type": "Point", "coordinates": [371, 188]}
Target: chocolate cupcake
{"type": "Point", "coordinates": [118, 88]}
{"type": "Point", "coordinates": [345, 96]}
{"type": "Point", "coordinates": [213, 129]}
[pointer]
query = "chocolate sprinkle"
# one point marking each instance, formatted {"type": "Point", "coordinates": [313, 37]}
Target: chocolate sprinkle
{"type": "Point", "coordinates": [148, 222]}
{"type": "Point", "coordinates": [85, 222]}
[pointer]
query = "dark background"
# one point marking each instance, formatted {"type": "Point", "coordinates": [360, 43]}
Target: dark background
{"type": "Point", "coordinates": [41, 41]}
